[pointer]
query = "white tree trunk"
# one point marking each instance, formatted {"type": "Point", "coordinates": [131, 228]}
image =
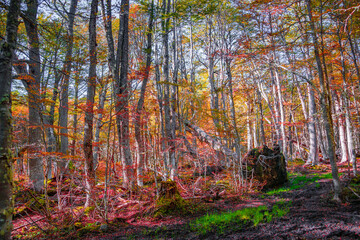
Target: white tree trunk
{"type": "Point", "coordinates": [341, 128]}
{"type": "Point", "coordinates": [313, 148]}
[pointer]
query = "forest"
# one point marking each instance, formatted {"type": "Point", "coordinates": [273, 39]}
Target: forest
{"type": "Point", "coordinates": [179, 119]}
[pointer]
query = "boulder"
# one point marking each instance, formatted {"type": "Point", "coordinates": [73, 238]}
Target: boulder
{"type": "Point", "coordinates": [268, 166]}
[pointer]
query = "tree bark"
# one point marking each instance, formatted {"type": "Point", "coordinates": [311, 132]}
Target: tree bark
{"type": "Point", "coordinates": [137, 121]}
{"type": "Point", "coordinates": [99, 123]}
{"type": "Point", "coordinates": [64, 94]}
{"type": "Point", "coordinates": [313, 157]}
{"type": "Point", "coordinates": [122, 95]}
{"type": "Point", "coordinates": [326, 108]}
{"type": "Point", "coordinates": [213, 89]}
{"type": "Point", "coordinates": [7, 48]}
{"type": "Point", "coordinates": [75, 116]}
{"type": "Point", "coordinates": [33, 88]}
{"type": "Point", "coordinates": [341, 128]}
{"type": "Point", "coordinates": [169, 119]}
{"type": "Point", "coordinates": [89, 112]}
{"type": "Point", "coordinates": [349, 129]}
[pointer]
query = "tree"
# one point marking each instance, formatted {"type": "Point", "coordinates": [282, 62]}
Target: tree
{"type": "Point", "coordinates": [32, 85]}
{"type": "Point", "coordinates": [137, 121]}
{"type": "Point", "coordinates": [64, 95]}
{"type": "Point", "coordinates": [122, 89]}
{"type": "Point", "coordinates": [7, 47]}
{"type": "Point", "coordinates": [118, 64]}
{"type": "Point", "coordinates": [89, 112]}
{"type": "Point", "coordinates": [325, 106]}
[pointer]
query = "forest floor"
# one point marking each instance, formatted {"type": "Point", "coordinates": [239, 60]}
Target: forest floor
{"type": "Point", "coordinates": [310, 214]}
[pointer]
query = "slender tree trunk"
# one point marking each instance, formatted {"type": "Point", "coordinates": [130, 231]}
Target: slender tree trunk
{"type": "Point", "coordinates": [302, 101]}
{"type": "Point", "coordinates": [89, 112]}
{"type": "Point", "coordinates": [354, 57]}
{"type": "Point", "coordinates": [349, 129]}
{"type": "Point", "coordinates": [50, 121]}
{"type": "Point", "coordinates": [167, 104]}
{"type": "Point", "coordinates": [64, 94]}
{"type": "Point", "coordinates": [51, 144]}
{"type": "Point", "coordinates": [161, 113]}
{"type": "Point", "coordinates": [75, 116]}
{"type": "Point", "coordinates": [341, 128]}
{"type": "Point", "coordinates": [174, 98]}
{"type": "Point", "coordinates": [350, 141]}
{"type": "Point", "coordinates": [282, 114]}
{"type": "Point", "coordinates": [7, 48]}
{"type": "Point", "coordinates": [232, 107]}
{"type": "Point", "coordinates": [326, 108]}
{"type": "Point", "coordinates": [248, 127]}
{"type": "Point", "coordinates": [122, 95]}
{"type": "Point", "coordinates": [99, 123]}
{"type": "Point", "coordinates": [137, 121]}
{"type": "Point", "coordinates": [262, 131]}
{"type": "Point", "coordinates": [313, 157]}
{"type": "Point", "coordinates": [213, 89]}
{"type": "Point", "coordinates": [33, 88]}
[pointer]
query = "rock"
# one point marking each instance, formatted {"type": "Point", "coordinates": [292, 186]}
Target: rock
{"type": "Point", "coordinates": [104, 227]}
{"type": "Point", "coordinates": [268, 166]}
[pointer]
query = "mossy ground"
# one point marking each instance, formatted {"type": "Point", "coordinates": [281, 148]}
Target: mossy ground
{"type": "Point", "coordinates": [230, 221]}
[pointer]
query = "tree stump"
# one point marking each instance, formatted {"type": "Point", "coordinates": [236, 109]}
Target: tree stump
{"type": "Point", "coordinates": [170, 201]}
{"type": "Point", "coordinates": [168, 190]}
{"type": "Point", "coordinates": [268, 166]}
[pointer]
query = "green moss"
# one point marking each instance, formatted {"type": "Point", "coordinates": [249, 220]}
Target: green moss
{"type": "Point", "coordinates": [219, 223]}
{"type": "Point", "coordinates": [298, 181]}
{"type": "Point", "coordinates": [170, 206]}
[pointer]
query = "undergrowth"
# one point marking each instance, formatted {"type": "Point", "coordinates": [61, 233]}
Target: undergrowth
{"type": "Point", "coordinates": [231, 221]}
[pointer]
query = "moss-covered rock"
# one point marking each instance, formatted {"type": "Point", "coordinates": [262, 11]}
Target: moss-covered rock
{"type": "Point", "coordinates": [267, 165]}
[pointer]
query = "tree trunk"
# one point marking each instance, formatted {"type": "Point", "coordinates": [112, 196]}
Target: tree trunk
{"type": "Point", "coordinates": [215, 144]}
{"type": "Point", "coordinates": [341, 128]}
{"type": "Point", "coordinates": [167, 104]}
{"type": "Point", "coordinates": [313, 157]}
{"type": "Point", "coordinates": [119, 70]}
{"type": "Point", "coordinates": [33, 88]}
{"type": "Point", "coordinates": [137, 121]}
{"type": "Point", "coordinates": [64, 94]}
{"type": "Point", "coordinates": [326, 108]}
{"type": "Point", "coordinates": [89, 112]}
{"type": "Point", "coordinates": [75, 116]}
{"type": "Point", "coordinates": [99, 123]}
{"type": "Point", "coordinates": [344, 97]}
{"type": "Point", "coordinates": [213, 87]}
{"type": "Point", "coordinates": [122, 95]}
{"type": "Point", "coordinates": [7, 48]}
{"type": "Point", "coordinates": [232, 107]}
{"type": "Point", "coordinates": [248, 127]}
{"type": "Point", "coordinates": [282, 114]}
{"type": "Point", "coordinates": [262, 131]}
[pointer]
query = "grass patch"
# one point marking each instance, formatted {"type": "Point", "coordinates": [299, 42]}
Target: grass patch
{"type": "Point", "coordinates": [222, 222]}
{"type": "Point", "coordinates": [297, 181]}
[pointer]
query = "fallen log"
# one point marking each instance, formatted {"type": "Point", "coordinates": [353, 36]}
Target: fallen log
{"type": "Point", "coordinates": [205, 137]}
